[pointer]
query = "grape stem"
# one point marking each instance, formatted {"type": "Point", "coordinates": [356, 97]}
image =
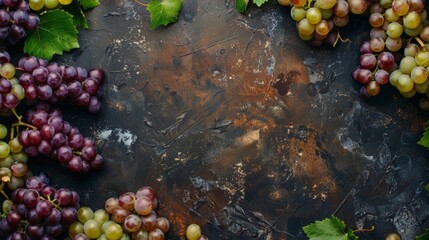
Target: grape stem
{"type": "Point", "coordinates": [421, 43]}
{"type": "Point", "coordinates": [2, 191]}
{"type": "Point", "coordinates": [365, 229]}
{"type": "Point", "coordinates": [142, 4]}
{"type": "Point", "coordinates": [341, 39]}
{"type": "Point", "coordinates": [20, 122]}
{"type": "Point", "coordinates": [20, 69]}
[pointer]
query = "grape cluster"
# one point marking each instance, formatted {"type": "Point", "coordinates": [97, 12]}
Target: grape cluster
{"type": "Point", "coordinates": [10, 90]}
{"type": "Point", "coordinates": [52, 136]}
{"type": "Point", "coordinates": [131, 216]}
{"type": "Point", "coordinates": [38, 5]}
{"type": "Point", "coordinates": [38, 211]}
{"type": "Point", "coordinates": [393, 24]}
{"type": "Point", "coordinates": [13, 161]}
{"type": "Point", "coordinates": [16, 19]}
{"type": "Point", "coordinates": [52, 82]}
{"type": "Point", "coordinates": [319, 20]}
{"type": "Point", "coordinates": [373, 70]}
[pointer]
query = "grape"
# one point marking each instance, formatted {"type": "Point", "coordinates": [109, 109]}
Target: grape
{"type": "Point", "coordinates": [313, 15]}
{"type": "Point", "coordinates": [377, 44]}
{"type": "Point", "coordinates": [44, 208]}
{"type": "Point", "coordinates": [411, 20]}
{"type": "Point", "coordinates": [305, 27]}
{"type": "Point", "coordinates": [407, 64]}
{"type": "Point", "coordinates": [364, 76]}
{"type": "Point", "coordinates": [400, 7]}
{"type": "Point", "coordinates": [193, 232]}
{"type": "Point", "coordinates": [101, 216]}
{"type": "Point", "coordinates": [357, 6]}
{"type": "Point", "coordinates": [404, 83]}
{"type": "Point", "coordinates": [163, 224]}
{"type": "Point", "coordinates": [149, 221]}
{"type": "Point", "coordinates": [376, 20]}
{"type": "Point", "coordinates": [368, 61]}
{"type": "Point", "coordinates": [394, 30]}
{"type": "Point", "coordinates": [373, 88]}
{"type": "Point", "coordinates": [326, 4]}
{"type": "Point", "coordinates": [381, 77]}
{"type": "Point", "coordinates": [421, 59]}
{"type": "Point", "coordinates": [393, 44]}
{"type": "Point", "coordinates": [113, 231]}
{"type": "Point", "coordinates": [341, 8]}
{"type": "Point", "coordinates": [120, 214]}
{"type": "Point", "coordinates": [126, 200]}
{"type": "Point", "coordinates": [92, 228]}
{"type": "Point", "coordinates": [75, 229]}
{"type": "Point", "coordinates": [35, 231]}
{"type": "Point", "coordinates": [419, 74]}
{"type": "Point", "coordinates": [386, 61]}
{"type": "Point", "coordinates": [7, 70]}
{"type": "Point", "coordinates": [84, 214]}
{"type": "Point", "coordinates": [132, 223]}
{"type": "Point", "coordinates": [50, 4]}
{"type": "Point", "coordinates": [143, 205]}
{"type": "Point", "coordinates": [36, 5]}
{"type": "Point", "coordinates": [14, 145]}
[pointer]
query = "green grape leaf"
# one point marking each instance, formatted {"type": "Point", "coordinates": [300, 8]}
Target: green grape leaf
{"type": "Point", "coordinates": [89, 4]}
{"type": "Point", "coordinates": [259, 2]}
{"type": "Point", "coordinates": [163, 12]}
{"type": "Point", "coordinates": [424, 236]}
{"type": "Point", "coordinates": [241, 5]}
{"type": "Point", "coordinates": [329, 229]}
{"type": "Point", "coordinates": [56, 33]}
{"type": "Point", "coordinates": [79, 18]}
{"type": "Point", "coordinates": [424, 141]}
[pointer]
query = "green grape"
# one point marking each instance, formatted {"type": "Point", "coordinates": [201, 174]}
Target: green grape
{"type": "Point", "coordinates": [393, 78]}
{"type": "Point", "coordinates": [5, 174]}
{"type": "Point", "coordinates": [14, 81]}
{"type": "Point", "coordinates": [3, 131]}
{"type": "Point", "coordinates": [65, 2]}
{"type": "Point", "coordinates": [101, 216]}
{"type": "Point", "coordinates": [422, 88]}
{"type": "Point", "coordinates": [411, 50]}
{"type": "Point", "coordinates": [106, 224]}
{"type": "Point", "coordinates": [18, 91]}
{"type": "Point", "coordinates": [102, 237]}
{"type": "Point", "coordinates": [7, 161]}
{"type": "Point", "coordinates": [305, 28]}
{"type": "Point", "coordinates": [7, 70]}
{"type": "Point", "coordinates": [92, 228]}
{"type": "Point", "coordinates": [422, 58]}
{"type": "Point", "coordinates": [84, 214]}
{"type": "Point", "coordinates": [36, 5]}
{"type": "Point", "coordinates": [326, 4]}
{"type": "Point", "coordinates": [313, 15]}
{"type": "Point", "coordinates": [193, 232]}
{"type": "Point", "coordinates": [390, 15]}
{"type": "Point", "coordinates": [409, 94]}
{"type": "Point", "coordinates": [297, 13]}
{"type": "Point", "coordinates": [411, 20]}
{"type": "Point", "coordinates": [4, 149]}
{"type": "Point", "coordinates": [326, 13]}
{"type": "Point", "coordinates": [394, 30]}
{"type": "Point", "coordinates": [407, 64]}
{"type": "Point", "coordinates": [404, 84]}
{"type": "Point", "coordinates": [50, 4]}
{"type": "Point", "coordinates": [419, 74]}
{"type": "Point", "coordinates": [125, 237]}
{"type": "Point", "coordinates": [113, 231]}
{"type": "Point", "coordinates": [386, 3]}
{"type": "Point", "coordinates": [14, 145]}
{"type": "Point", "coordinates": [75, 228]}
{"type": "Point", "coordinates": [305, 38]}
{"type": "Point", "coordinates": [7, 206]}
{"type": "Point", "coordinates": [413, 32]}
{"type": "Point", "coordinates": [20, 156]}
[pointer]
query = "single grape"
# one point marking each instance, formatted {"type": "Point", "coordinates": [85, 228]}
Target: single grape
{"type": "Point", "coordinates": [422, 59]}
{"type": "Point", "coordinates": [326, 4]}
{"type": "Point", "coordinates": [419, 74]}
{"type": "Point", "coordinates": [84, 214]}
{"type": "Point", "coordinates": [381, 77]}
{"type": "Point", "coordinates": [400, 7]}
{"type": "Point", "coordinates": [404, 83]}
{"type": "Point", "coordinates": [411, 20]}
{"type": "Point", "coordinates": [313, 15]}
{"type": "Point", "coordinates": [193, 232]}
{"type": "Point", "coordinates": [36, 5]}
{"type": "Point", "coordinates": [394, 30]}
{"type": "Point", "coordinates": [92, 228]}
{"type": "Point", "coordinates": [101, 216]}
{"type": "Point", "coordinates": [113, 231]}
{"type": "Point", "coordinates": [75, 229]}
{"type": "Point", "coordinates": [407, 64]}
{"type": "Point", "coordinates": [132, 223]}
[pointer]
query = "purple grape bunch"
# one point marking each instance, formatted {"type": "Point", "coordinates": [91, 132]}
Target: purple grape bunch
{"type": "Point", "coordinates": [16, 19]}
{"type": "Point", "coordinates": [38, 211]}
{"type": "Point", "coordinates": [56, 138]}
{"type": "Point", "coordinates": [373, 71]}
{"type": "Point", "coordinates": [54, 83]}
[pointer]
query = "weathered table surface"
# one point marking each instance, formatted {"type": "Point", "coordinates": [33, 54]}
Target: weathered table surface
{"type": "Point", "coordinates": [191, 110]}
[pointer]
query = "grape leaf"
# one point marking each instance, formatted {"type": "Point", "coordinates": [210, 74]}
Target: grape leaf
{"type": "Point", "coordinates": [424, 236]}
{"type": "Point", "coordinates": [241, 5]}
{"type": "Point", "coordinates": [163, 12]}
{"type": "Point", "coordinates": [79, 18]}
{"type": "Point", "coordinates": [424, 141]}
{"type": "Point", "coordinates": [56, 33]}
{"type": "Point", "coordinates": [259, 2]}
{"type": "Point", "coordinates": [89, 4]}
{"type": "Point", "coordinates": [328, 229]}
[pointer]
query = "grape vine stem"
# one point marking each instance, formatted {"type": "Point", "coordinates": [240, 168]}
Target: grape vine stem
{"type": "Point", "coordinates": [365, 229]}
{"type": "Point", "coordinates": [2, 191]}
{"type": "Point", "coordinates": [142, 4]}
{"type": "Point", "coordinates": [341, 39]}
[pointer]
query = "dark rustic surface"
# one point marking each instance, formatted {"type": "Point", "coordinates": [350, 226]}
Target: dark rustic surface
{"type": "Point", "coordinates": [243, 128]}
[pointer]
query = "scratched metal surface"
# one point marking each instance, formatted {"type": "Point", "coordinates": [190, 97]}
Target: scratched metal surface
{"type": "Point", "coordinates": [243, 128]}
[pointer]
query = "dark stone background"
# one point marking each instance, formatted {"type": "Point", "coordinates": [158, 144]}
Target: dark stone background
{"type": "Point", "coordinates": [190, 110]}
